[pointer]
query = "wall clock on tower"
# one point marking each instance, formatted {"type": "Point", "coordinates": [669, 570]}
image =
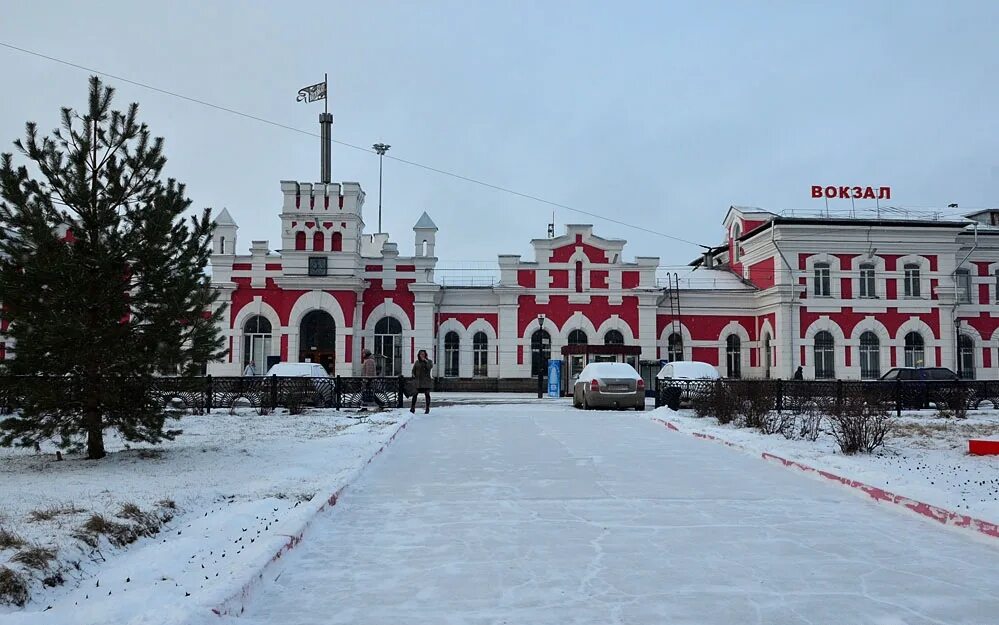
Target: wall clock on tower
{"type": "Point", "coordinates": [317, 265]}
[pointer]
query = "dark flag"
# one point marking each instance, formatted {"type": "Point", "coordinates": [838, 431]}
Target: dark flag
{"type": "Point", "coordinates": [312, 93]}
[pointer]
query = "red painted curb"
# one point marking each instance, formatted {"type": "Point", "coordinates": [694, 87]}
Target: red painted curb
{"type": "Point", "coordinates": [225, 608]}
{"type": "Point", "coordinates": [938, 514]}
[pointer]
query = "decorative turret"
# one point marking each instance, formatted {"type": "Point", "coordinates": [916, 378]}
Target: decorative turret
{"type": "Point", "coordinates": [224, 237]}
{"type": "Point", "coordinates": [426, 235]}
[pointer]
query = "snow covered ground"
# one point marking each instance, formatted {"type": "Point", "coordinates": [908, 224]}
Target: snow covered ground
{"type": "Point", "coordinates": [541, 514]}
{"type": "Point", "coordinates": [240, 483]}
{"type": "Point", "coordinates": [927, 459]}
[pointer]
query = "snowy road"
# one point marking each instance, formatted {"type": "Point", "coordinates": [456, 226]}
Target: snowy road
{"type": "Point", "coordinates": [541, 514]}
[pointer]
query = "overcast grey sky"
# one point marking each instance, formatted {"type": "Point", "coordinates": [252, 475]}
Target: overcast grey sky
{"type": "Point", "coordinates": [661, 114]}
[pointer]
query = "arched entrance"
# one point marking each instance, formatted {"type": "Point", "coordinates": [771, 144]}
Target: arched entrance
{"type": "Point", "coordinates": [317, 340]}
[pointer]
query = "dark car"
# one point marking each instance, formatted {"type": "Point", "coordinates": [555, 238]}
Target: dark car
{"type": "Point", "coordinates": [925, 387]}
{"type": "Point", "coordinates": [920, 373]}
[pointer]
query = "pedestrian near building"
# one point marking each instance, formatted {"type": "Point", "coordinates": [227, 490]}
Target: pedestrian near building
{"type": "Point", "coordinates": [250, 369]}
{"type": "Point", "coordinates": [422, 380]}
{"type": "Point", "coordinates": [369, 370]}
{"type": "Point", "coordinates": [799, 375]}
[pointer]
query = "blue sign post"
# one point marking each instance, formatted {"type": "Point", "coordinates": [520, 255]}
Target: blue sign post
{"type": "Point", "coordinates": [554, 378]}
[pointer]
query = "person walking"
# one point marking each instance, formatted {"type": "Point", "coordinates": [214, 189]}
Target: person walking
{"type": "Point", "coordinates": [422, 382]}
{"type": "Point", "coordinates": [250, 370]}
{"type": "Point", "coordinates": [369, 370]}
{"type": "Point", "coordinates": [799, 374]}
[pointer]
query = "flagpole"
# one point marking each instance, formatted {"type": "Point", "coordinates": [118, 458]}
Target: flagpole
{"type": "Point", "coordinates": [326, 88]}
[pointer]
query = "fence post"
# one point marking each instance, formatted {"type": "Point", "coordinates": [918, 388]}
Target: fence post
{"type": "Point", "coordinates": [274, 392]}
{"type": "Point", "coordinates": [658, 384]}
{"type": "Point", "coordinates": [898, 397]}
{"type": "Point", "coordinates": [541, 384]}
{"type": "Point", "coordinates": [402, 387]}
{"type": "Point", "coordinates": [780, 394]}
{"type": "Point", "coordinates": [337, 393]}
{"type": "Point", "coordinates": [209, 393]}
{"type": "Point", "coordinates": [839, 394]}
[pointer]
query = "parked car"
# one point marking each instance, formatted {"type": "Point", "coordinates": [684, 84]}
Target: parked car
{"type": "Point", "coordinates": [688, 374]}
{"type": "Point", "coordinates": [609, 385]}
{"type": "Point", "coordinates": [688, 370]}
{"type": "Point", "coordinates": [924, 387]}
{"type": "Point", "coordinates": [316, 390]}
{"type": "Point", "coordinates": [934, 374]}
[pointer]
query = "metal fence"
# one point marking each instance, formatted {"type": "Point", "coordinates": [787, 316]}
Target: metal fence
{"type": "Point", "coordinates": [202, 393]}
{"type": "Point", "coordinates": [789, 394]}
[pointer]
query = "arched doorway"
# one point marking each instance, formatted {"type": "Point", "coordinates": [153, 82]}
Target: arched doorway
{"type": "Point", "coordinates": [317, 340]}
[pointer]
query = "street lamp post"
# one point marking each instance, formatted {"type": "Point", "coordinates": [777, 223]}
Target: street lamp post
{"type": "Point", "coordinates": [380, 149]}
{"type": "Point", "coordinates": [541, 364]}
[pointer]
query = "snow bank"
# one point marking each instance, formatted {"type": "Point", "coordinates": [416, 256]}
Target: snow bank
{"type": "Point", "coordinates": [926, 459]}
{"type": "Point", "coordinates": [245, 484]}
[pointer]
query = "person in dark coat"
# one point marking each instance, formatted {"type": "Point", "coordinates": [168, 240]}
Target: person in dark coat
{"type": "Point", "coordinates": [798, 375]}
{"type": "Point", "coordinates": [422, 381]}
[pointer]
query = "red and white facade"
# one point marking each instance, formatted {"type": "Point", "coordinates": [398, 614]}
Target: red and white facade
{"type": "Point", "coordinates": [779, 293]}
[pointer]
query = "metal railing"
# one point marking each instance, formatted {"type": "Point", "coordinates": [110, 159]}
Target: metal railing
{"type": "Point", "coordinates": [202, 393]}
{"type": "Point", "coordinates": [791, 394]}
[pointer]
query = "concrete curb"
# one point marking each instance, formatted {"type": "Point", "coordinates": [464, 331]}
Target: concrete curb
{"type": "Point", "coordinates": [235, 604]}
{"type": "Point", "coordinates": [936, 513]}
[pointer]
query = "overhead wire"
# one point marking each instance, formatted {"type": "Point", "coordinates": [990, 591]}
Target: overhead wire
{"type": "Point", "coordinates": [437, 170]}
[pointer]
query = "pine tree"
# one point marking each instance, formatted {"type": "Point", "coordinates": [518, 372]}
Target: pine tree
{"type": "Point", "coordinates": [102, 280]}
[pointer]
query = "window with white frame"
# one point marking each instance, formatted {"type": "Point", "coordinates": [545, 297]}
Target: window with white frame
{"type": "Point", "coordinates": [962, 277]}
{"type": "Point", "coordinates": [823, 281]}
{"type": "Point", "coordinates": [257, 343]}
{"type": "Point", "coordinates": [911, 282]}
{"type": "Point", "coordinates": [870, 356]}
{"type": "Point", "coordinates": [824, 352]}
{"type": "Point", "coordinates": [733, 356]}
{"type": "Point", "coordinates": [867, 288]}
{"type": "Point", "coordinates": [674, 348]}
{"type": "Point", "coordinates": [480, 355]}
{"type": "Point", "coordinates": [452, 345]}
{"type": "Point", "coordinates": [388, 346]}
{"type": "Point", "coordinates": [966, 354]}
{"type": "Point", "coordinates": [915, 350]}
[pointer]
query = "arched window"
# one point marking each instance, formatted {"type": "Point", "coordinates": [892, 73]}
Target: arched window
{"type": "Point", "coordinates": [613, 337]}
{"type": "Point", "coordinates": [256, 343]}
{"type": "Point", "coordinates": [674, 348]}
{"type": "Point", "coordinates": [733, 356]}
{"type": "Point", "coordinates": [299, 240]}
{"type": "Point", "coordinates": [736, 233]}
{"type": "Point", "coordinates": [870, 356]}
{"type": "Point", "coordinates": [336, 242]}
{"type": "Point", "coordinates": [541, 351]}
{"type": "Point", "coordinates": [767, 356]}
{"type": "Point", "coordinates": [578, 337]}
{"type": "Point", "coordinates": [388, 346]}
{"type": "Point", "coordinates": [480, 355]}
{"type": "Point", "coordinates": [914, 350]}
{"type": "Point", "coordinates": [966, 355]}
{"type": "Point", "coordinates": [824, 352]}
{"type": "Point", "coordinates": [221, 245]}
{"type": "Point", "coordinates": [579, 276]}
{"type": "Point", "coordinates": [318, 242]}
{"type": "Point", "coordinates": [452, 346]}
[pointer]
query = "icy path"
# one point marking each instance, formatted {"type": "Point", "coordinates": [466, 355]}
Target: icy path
{"type": "Point", "coordinates": [528, 515]}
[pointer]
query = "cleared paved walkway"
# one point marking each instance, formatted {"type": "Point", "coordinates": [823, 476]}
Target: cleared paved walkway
{"type": "Point", "coordinates": [529, 515]}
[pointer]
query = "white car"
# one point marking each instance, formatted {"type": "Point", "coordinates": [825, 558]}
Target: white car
{"type": "Point", "coordinates": [688, 370]}
{"type": "Point", "coordinates": [609, 385]}
{"type": "Point", "coordinates": [314, 390]}
{"type": "Point", "coordinates": [298, 370]}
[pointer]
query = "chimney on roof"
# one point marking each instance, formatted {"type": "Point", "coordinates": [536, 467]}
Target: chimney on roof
{"type": "Point", "coordinates": [708, 260]}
